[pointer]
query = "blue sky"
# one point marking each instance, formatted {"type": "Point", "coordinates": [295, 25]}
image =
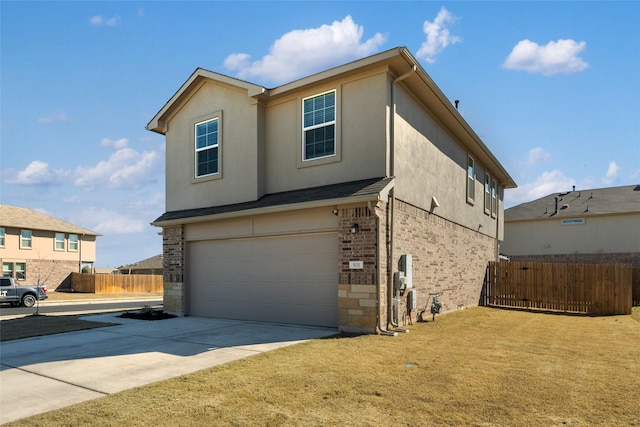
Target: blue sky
{"type": "Point", "coordinates": [553, 89]}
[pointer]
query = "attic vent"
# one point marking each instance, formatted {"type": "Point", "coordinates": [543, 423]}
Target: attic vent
{"type": "Point", "coordinates": [564, 207]}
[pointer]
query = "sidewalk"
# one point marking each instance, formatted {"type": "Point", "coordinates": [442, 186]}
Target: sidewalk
{"type": "Point", "coordinates": [78, 366]}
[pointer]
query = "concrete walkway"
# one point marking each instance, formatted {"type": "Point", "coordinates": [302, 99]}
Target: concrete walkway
{"type": "Point", "coordinates": [45, 373]}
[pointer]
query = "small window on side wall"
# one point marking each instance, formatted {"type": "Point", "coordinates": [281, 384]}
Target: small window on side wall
{"type": "Point", "coordinates": [1, 237]}
{"type": "Point", "coordinates": [487, 193]}
{"type": "Point", "coordinates": [471, 180]}
{"type": "Point", "coordinates": [494, 198]}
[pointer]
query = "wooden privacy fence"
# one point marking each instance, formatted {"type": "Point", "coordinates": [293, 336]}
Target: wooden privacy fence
{"type": "Point", "coordinates": [597, 289]}
{"type": "Point", "coordinates": [113, 283]}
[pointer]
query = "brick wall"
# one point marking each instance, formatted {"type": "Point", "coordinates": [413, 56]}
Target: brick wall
{"type": "Point", "coordinates": [173, 256]}
{"type": "Point", "coordinates": [50, 273]}
{"type": "Point", "coordinates": [357, 288]}
{"type": "Point", "coordinates": [447, 258]}
{"type": "Point", "coordinates": [601, 258]}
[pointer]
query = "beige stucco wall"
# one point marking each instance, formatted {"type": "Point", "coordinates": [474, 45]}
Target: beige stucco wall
{"type": "Point", "coordinates": [360, 135]}
{"type": "Point", "coordinates": [239, 164]}
{"type": "Point", "coordinates": [42, 247]}
{"type": "Point", "coordinates": [599, 234]}
{"type": "Point", "coordinates": [430, 163]}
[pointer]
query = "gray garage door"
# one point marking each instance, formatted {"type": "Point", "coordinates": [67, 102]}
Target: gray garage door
{"type": "Point", "coordinates": [292, 279]}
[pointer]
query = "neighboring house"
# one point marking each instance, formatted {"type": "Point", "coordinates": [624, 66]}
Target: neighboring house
{"type": "Point", "coordinates": [296, 204]}
{"type": "Point", "coordinates": [151, 265]}
{"type": "Point", "coordinates": [39, 249]}
{"type": "Point", "coordinates": [580, 226]}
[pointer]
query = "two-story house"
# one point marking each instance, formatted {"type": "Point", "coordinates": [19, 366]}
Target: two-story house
{"type": "Point", "coordinates": [41, 249]}
{"type": "Point", "coordinates": [342, 199]}
{"type": "Point", "coordinates": [591, 226]}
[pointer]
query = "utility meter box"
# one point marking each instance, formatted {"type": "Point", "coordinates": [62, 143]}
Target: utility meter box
{"type": "Point", "coordinates": [412, 299]}
{"type": "Point", "coordinates": [399, 281]}
{"type": "Point", "coordinates": [406, 266]}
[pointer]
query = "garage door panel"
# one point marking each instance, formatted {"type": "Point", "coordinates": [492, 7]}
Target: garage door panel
{"type": "Point", "coordinates": [290, 279]}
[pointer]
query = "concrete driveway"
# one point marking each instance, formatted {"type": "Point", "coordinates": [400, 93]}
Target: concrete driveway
{"type": "Point", "coordinates": [46, 373]}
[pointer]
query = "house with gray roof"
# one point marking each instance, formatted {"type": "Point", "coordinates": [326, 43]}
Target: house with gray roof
{"type": "Point", "coordinates": [152, 265]}
{"type": "Point", "coordinates": [39, 249]}
{"type": "Point", "coordinates": [344, 199]}
{"type": "Point", "coordinates": [599, 225]}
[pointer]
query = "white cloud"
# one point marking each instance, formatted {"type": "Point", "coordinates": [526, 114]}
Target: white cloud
{"type": "Point", "coordinates": [117, 144]}
{"type": "Point", "coordinates": [106, 221]}
{"type": "Point", "coordinates": [438, 36]}
{"type": "Point", "coordinates": [538, 155]}
{"type": "Point", "coordinates": [100, 20]}
{"type": "Point", "coordinates": [126, 168]}
{"type": "Point", "coordinates": [547, 183]}
{"type": "Point", "coordinates": [556, 57]}
{"type": "Point", "coordinates": [52, 118]}
{"type": "Point", "coordinates": [38, 173]}
{"type": "Point", "coordinates": [302, 52]}
{"type": "Point", "coordinates": [613, 171]}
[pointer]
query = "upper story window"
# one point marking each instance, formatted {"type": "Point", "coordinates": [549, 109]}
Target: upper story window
{"type": "Point", "coordinates": [59, 242]}
{"type": "Point", "coordinates": [207, 144]}
{"type": "Point", "coordinates": [487, 193]}
{"type": "Point", "coordinates": [73, 242]}
{"type": "Point", "coordinates": [494, 198]}
{"type": "Point", "coordinates": [1, 237]}
{"type": "Point", "coordinates": [25, 239]}
{"type": "Point", "coordinates": [471, 179]}
{"type": "Point", "coordinates": [319, 126]}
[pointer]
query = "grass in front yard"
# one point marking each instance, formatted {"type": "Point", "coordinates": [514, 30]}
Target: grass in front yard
{"type": "Point", "coordinates": [476, 367]}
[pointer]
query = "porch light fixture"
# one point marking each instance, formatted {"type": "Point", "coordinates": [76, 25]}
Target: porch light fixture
{"type": "Point", "coordinates": [354, 228]}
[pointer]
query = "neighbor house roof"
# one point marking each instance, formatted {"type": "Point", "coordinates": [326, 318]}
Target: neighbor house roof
{"type": "Point", "coordinates": [18, 217]}
{"type": "Point", "coordinates": [326, 195]}
{"type": "Point", "coordinates": [399, 62]}
{"type": "Point", "coordinates": [155, 262]}
{"type": "Point", "coordinates": [578, 203]}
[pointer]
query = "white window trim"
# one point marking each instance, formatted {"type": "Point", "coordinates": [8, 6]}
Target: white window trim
{"type": "Point", "coordinates": [55, 242]}
{"type": "Point", "coordinates": [194, 160]}
{"type": "Point", "coordinates": [471, 180]}
{"type": "Point", "coordinates": [77, 238]}
{"type": "Point", "coordinates": [494, 198]}
{"type": "Point", "coordinates": [487, 193]}
{"type": "Point", "coordinates": [321, 125]}
{"type": "Point", "coordinates": [337, 152]}
{"type": "Point", "coordinates": [30, 240]}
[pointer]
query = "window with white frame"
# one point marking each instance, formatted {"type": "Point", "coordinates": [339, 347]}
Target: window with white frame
{"type": "Point", "coordinates": [494, 198]}
{"type": "Point", "coordinates": [59, 242]}
{"type": "Point", "coordinates": [7, 269]}
{"type": "Point", "coordinates": [207, 143]}
{"type": "Point", "coordinates": [1, 237]}
{"type": "Point", "coordinates": [487, 193]}
{"type": "Point", "coordinates": [471, 179]}
{"type": "Point", "coordinates": [319, 126]}
{"type": "Point", "coordinates": [73, 242]}
{"type": "Point", "coordinates": [21, 270]}
{"type": "Point", "coordinates": [25, 239]}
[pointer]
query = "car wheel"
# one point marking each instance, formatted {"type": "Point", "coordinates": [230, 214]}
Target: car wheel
{"type": "Point", "coordinates": [29, 300]}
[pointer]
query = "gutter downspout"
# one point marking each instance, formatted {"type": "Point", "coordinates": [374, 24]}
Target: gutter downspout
{"type": "Point", "coordinates": [382, 329]}
{"type": "Point", "coordinates": [392, 197]}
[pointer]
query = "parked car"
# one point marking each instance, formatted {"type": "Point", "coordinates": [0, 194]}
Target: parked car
{"type": "Point", "coordinates": [20, 295]}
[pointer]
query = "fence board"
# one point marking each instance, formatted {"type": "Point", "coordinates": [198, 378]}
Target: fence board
{"type": "Point", "coordinates": [116, 283]}
{"type": "Point", "coordinates": [636, 286]}
{"type": "Point", "coordinates": [598, 289]}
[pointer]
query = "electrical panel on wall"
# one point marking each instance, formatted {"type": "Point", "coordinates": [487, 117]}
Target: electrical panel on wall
{"type": "Point", "coordinates": [406, 266]}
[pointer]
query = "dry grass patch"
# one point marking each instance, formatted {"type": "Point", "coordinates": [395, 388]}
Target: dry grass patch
{"type": "Point", "coordinates": [477, 367]}
{"type": "Point", "coordinates": [35, 326]}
